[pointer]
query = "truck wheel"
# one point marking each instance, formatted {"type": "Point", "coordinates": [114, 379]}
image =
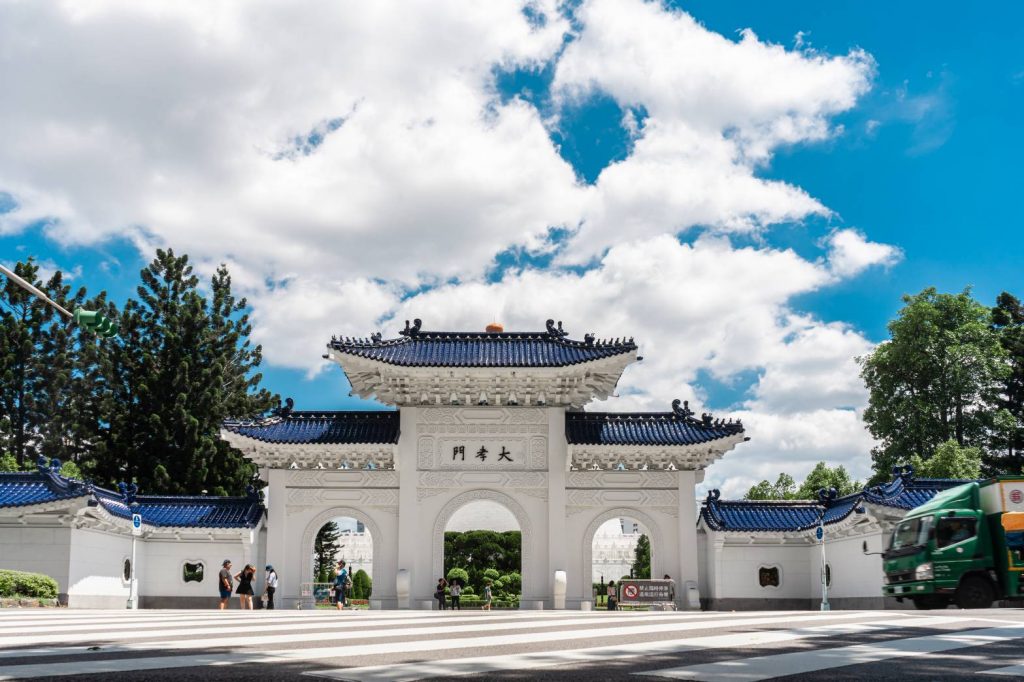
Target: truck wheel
{"type": "Point", "coordinates": [974, 593]}
{"type": "Point", "coordinates": [931, 601]}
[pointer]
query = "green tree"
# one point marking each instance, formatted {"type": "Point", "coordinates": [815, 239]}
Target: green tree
{"type": "Point", "coordinates": [642, 558]}
{"type": "Point", "coordinates": [325, 549]}
{"type": "Point", "coordinates": [478, 550]}
{"type": "Point", "coordinates": [185, 365]}
{"type": "Point", "coordinates": [784, 488]}
{"type": "Point", "coordinates": [824, 476]}
{"type": "Point", "coordinates": [1006, 453]}
{"type": "Point", "coordinates": [8, 464]}
{"type": "Point", "coordinates": [950, 461]}
{"type": "Point", "coordinates": [362, 586]}
{"type": "Point", "coordinates": [935, 379]}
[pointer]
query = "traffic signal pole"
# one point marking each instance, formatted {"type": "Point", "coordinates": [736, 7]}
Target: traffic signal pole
{"type": "Point", "coordinates": [34, 291]}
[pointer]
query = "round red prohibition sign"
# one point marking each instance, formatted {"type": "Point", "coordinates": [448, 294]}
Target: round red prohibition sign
{"type": "Point", "coordinates": [631, 591]}
{"type": "Point", "coordinates": [1016, 496]}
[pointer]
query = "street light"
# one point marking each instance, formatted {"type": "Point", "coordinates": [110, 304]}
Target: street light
{"type": "Point", "coordinates": [93, 321]}
{"type": "Point", "coordinates": [824, 497]}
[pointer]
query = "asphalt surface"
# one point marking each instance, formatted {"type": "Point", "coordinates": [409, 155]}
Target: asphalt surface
{"type": "Point", "coordinates": [511, 645]}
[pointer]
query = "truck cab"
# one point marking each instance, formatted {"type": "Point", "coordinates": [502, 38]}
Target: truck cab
{"type": "Point", "coordinates": [954, 549]}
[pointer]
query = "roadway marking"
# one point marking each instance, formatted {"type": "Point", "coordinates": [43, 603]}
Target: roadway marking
{"type": "Point", "coordinates": [766, 667]}
{"type": "Point", "coordinates": [421, 626]}
{"type": "Point", "coordinates": [403, 672]}
{"type": "Point", "coordinates": [86, 666]}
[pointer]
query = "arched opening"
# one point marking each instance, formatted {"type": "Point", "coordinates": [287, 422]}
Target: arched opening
{"type": "Point", "coordinates": [482, 547]}
{"type": "Point", "coordinates": [334, 538]}
{"type": "Point", "coordinates": [610, 551]}
{"type": "Point", "coordinates": [621, 549]}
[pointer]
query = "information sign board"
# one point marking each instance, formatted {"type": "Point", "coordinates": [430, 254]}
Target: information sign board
{"type": "Point", "coordinates": [647, 591]}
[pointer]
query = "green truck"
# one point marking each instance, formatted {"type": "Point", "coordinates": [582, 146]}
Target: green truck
{"type": "Point", "coordinates": [965, 546]}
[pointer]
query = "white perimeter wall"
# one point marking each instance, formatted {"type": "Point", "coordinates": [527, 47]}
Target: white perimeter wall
{"type": "Point", "coordinates": [37, 550]}
{"type": "Point", "coordinates": [95, 571]}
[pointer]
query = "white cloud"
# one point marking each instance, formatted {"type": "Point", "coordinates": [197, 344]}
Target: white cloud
{"type": "Point", "coordinates": [341, 155]}
{"type": "Point", "coordinates": [850, 253]}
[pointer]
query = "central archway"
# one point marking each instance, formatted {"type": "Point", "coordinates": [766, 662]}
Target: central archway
{"type": "Point", "coordinates": [453, 505]}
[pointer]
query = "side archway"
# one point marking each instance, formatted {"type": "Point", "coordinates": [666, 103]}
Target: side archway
{"type": "Point", "coordinates": [317, 523]}
{"type": "Point", "coordinates": [656, 538]}
{"type": "Point", "coordinates": [445, 515]}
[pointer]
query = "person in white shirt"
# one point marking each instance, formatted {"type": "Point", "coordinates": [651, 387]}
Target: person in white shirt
{"type": "Point", "coordinates": [271, 582]}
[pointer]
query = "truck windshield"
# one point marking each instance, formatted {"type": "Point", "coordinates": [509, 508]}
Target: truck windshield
{"type": "Point", "coordinates": [911, 533]}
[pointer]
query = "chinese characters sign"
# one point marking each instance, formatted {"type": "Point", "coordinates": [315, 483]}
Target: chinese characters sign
{"type": "Point", "coordinates": [461, 454]}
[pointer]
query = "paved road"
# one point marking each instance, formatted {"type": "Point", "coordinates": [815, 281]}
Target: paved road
{"type": "Point", "coordinates": [553, 645]}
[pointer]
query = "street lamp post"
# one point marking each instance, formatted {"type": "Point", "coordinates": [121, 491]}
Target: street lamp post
{"type": "Point", "coordinates": [93, 321]}
{"type": "Point", "coordinates": [824, 497]}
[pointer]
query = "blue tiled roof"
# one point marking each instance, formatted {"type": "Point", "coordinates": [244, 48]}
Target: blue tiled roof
{"type": "Point", "coordinates": [609, 428]}
{"type": "Point", "coordinates": [903, 492]}
{"type": "Point", "coordinates": [24, 488]}
{"type": "Point", "coordinates": [678, 427]}
{"type": "Point", "coordinates": [417, 348]}
{"type": "Point", "coordinates": [186, 511]}
{"type": "Point", "coordinates": [907, 492]}
{"type": "Point", "coordinates": [321, 427]}
{"type": "Point", "coordinates": [772, 516]}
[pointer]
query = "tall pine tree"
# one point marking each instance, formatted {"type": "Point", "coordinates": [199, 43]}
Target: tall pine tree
{"type": "Point", "coordinates": [185, 365]}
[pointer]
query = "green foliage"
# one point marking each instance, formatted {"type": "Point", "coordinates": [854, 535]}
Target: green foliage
{"type": "Point", "coordinates": [70, 470]}
{"type": "Point", "coordinates": [642, 558]}
{"type": "Point", "coordinates": [512, 582]}
{"type": "Point", "coordinates": [325, 549]}
{"type": "Point", "coordinates": [21, 583]}
{"type": "Point", "coordinates": [1006, 448]}
{"type": "Point", "coordinates": [468, 590]}
{"type": "Point", "coordinates": [185, 365]}
{"type": "Point", "coordinates": [821, 476]}
{"type": "Point", "coordinates": [950, 461]}
{"type": "Point", "coordinates": [480, 551]}
{"type": "Point", "coordinates": [459, 574]}
{"type": "Point", "coordinates": [362, 585]}
{"type": "Point", "coordinates": [784, 488]}
{"type": "Point", "coordinates": [8, 464]}
{"type": "Point", "coordinates": [936, 379]}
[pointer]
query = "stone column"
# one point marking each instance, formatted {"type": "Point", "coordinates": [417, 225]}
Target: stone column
{"type": "Point", "coordinates": [286, 562]}
{"type": "Point", "coordinates": [558, 543]}
{"type": "Point", "coordinates": [687, 528]}
{"type": "Point", "coordinates": [412, 543]}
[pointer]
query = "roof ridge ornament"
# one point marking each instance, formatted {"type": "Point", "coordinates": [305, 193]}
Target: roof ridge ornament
{"type": "Point", "coordinates": [376, 338]}
{"type": "Point", "coordinates": [128, 492]}
{"type": "Point", "coordinates": [285, 410]}
{"type": "Point", "coordinates": [904, 471]}
{"type": "Point", "coordinates": [826, 496]}
{"type": "Point", "coordinates": [557, 332]}
{"type": "Point", "coordinates": [684, 411]}
{"type": "Point", "coordinates": [414, 329]}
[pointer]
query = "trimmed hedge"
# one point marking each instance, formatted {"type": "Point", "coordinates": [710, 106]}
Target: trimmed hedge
{"type": "Point", "coordinates": [23, 584]}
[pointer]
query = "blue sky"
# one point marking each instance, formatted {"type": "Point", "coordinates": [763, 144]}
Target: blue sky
{"type": "Point", "coordinates": [925, 160]}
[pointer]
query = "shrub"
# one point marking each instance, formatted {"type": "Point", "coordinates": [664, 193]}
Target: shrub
{"type": "Point", "coordinates": [459, 574]}
{"type": "Point", "coordinates": [467, 590]}
{"type": "Point", "coordinates": [491, 574]}
{"type": "Point", "coordinates": [26, 584]}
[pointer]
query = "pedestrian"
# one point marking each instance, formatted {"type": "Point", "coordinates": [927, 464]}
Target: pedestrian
{"type": "Point", "coordinates": [244, 589]}
{"type": "Point", "coordinates": [439, 595]}
{"type": "Point", "coordinates": [456, 592]}
{"type": "Point", "coordinates": [226, 584]}
{"type": "Point", "coordinates": [671, 591]}
{"type": "Point", "coordinates": [342, 583]}
{"type": "Point", "coordinates": [613, 601]}
{"type": "Point", "coordinates": [487, 596]}
{"type": "Point", "coordinates": [271, 582]}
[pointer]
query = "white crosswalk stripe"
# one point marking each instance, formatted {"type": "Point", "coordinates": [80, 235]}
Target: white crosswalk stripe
{"type": "Point", "coordinates": [393, 646]}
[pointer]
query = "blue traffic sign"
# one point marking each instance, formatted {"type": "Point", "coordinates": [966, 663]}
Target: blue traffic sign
{"type": "Point", "coordinates": [819, 533]}
{"type": "Point", "coordinates": [137, 524]}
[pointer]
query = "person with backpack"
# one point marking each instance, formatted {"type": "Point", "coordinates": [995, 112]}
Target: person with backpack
{"type": "Point", "coordinates": [342, 584]}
